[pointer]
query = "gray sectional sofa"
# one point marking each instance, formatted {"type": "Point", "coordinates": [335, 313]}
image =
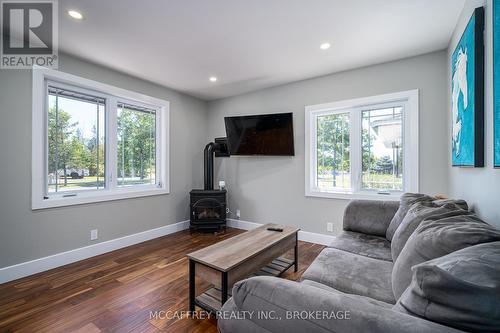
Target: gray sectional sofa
{"type": "Point", "coordinates": [421, 265]}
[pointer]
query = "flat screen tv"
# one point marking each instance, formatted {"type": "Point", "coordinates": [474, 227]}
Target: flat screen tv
{"type": "Point", "coordinates": [265, 134]}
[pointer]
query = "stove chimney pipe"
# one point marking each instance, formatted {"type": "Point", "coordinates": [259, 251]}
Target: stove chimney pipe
{"type": "Point", "coordinates": [209, 166]}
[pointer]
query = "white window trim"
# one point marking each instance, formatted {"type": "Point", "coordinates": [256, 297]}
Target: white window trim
{"type": "Point", "coordinates": [115, 94]}
{"type": "Point", "coordinates": [410, 137]}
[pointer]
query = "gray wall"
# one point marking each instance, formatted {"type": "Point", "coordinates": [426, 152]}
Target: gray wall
{"type": "Point", "coordinates": [271, 189]}
{"type": "Point", "coordinates": [27, 234]}
{"type": "Point", "coordinates": [265, 189]}
{"type": "Point", "coordinates": [479, 186]}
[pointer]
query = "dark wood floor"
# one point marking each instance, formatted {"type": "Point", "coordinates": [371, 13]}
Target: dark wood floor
{"type": "Point", "coordinates": [116, 291]}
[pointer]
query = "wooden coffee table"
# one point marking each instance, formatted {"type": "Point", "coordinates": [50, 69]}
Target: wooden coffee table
{"type": "Point", "coordinates": [255, 252]}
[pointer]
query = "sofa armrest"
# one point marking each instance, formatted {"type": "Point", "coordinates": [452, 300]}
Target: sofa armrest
{"type": "Point", "coordinates": [370, 217]}
{"type": "Point", "coordinates": [296, 307]}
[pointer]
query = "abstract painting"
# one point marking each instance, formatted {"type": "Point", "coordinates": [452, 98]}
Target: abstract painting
{"type": "Point", "coordinates": [496, 83]}
{"type": "Point", "coordinates": [467, 68]}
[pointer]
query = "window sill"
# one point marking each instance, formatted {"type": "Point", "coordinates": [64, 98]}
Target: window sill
{"type": "Point", "coordinates": [394, 196]}
{"type": "Point", "coordinates": [93, 197]}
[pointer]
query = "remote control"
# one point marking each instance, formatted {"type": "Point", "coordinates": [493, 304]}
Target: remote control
{"type": "Point", "coordinates": [275, 229]}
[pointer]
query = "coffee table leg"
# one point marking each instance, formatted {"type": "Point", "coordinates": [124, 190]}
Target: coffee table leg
{"type": "Point", "coordinates": [191, 285]}
{"type": "Point", "coordinates": [224, 288]}
{"type": "Point", "coordinates": [296, 253]}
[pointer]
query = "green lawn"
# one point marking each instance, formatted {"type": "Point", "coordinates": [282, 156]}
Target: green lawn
{"type": "Point", "coordinates": [370, 181]}
{"type": "Point", "coordinates": [86, 183]}
{"type": "Point", "coordinates": [90, 183]}
{"type": "Point", "coordinates": [326, 181]}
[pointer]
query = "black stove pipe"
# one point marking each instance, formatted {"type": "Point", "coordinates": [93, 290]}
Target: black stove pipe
{"type": "Point", "coordinates": [208, 166]}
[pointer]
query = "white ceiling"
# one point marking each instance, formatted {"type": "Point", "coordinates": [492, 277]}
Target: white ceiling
{"type": "Point", "coordinates": [250, 44]}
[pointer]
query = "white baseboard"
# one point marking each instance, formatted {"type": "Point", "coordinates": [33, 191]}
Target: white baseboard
{"type": "Point", "coordinates": [305, 236]}
{"type": "Point", "coordinates": [239, 224]}
{"type": "Point", "coordinates": [60, 259]}
{"type": "Point", "coordinates": [313, 237]}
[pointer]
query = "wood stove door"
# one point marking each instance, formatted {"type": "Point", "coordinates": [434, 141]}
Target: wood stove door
{"type": "Point", "coordinates": [207, 209]}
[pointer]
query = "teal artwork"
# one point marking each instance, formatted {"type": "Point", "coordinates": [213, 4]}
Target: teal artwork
{"type": "Point", "coordinates": [468, 95]}
{"type": "Point", "coordinates": [496, 83]}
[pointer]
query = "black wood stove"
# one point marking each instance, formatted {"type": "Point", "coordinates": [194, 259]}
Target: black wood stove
{"type": "Point", "coordinates": [208, 206]}
{"type": "Point", "coordinates": [208, 209]}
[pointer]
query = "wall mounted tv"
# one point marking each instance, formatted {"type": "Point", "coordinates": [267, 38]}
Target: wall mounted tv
{"type": "Point", "coordinates": [265, 134]}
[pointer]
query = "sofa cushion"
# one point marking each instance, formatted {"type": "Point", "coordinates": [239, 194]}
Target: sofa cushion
{"type": "Point", "coordinates": [459, 202]}
{"type": "Point", "coordinates": [335, 291]}
{"type": "Point", "coordinates": [232, 320]}
{"type": "Point", "coordinates": [461, 289]}
{"type": "Point", "coordinates": [353, 274]}
{"type": "Point", "coordinates": [434, 239]}
{"type": "Point", "coordinates": [363, 244]}
{"type": "Point", "coordinates": [318, 311]}
{"type": "Point", "coordinates": [415, 215]}
{"type": "Point", "coordinates": [370, 217]}
{"type": "Point", "coordinates": [409, 199]}
{"type": "Point", "coordinates": [406, 201]}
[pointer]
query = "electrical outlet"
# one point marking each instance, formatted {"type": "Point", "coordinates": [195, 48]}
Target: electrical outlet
{"type": "Point", "coordinates": [329, 227]}
{"type": "Point", "coordinates": [238, 213]}
{"type": "Point", "coordinates": [227, 210]}
{"type": "Point", "coordinates": [93, 234]}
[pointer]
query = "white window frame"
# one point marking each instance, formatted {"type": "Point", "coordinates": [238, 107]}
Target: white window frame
{"type": "Point", "coordinates": [113, 96]}
{"type": "Point", "coordinates": [355, 107]}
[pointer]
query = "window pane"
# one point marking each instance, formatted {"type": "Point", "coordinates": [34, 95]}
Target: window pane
{"type": "Point", "coordinates": [333, 162]}
{"type": "Point", "coordinates": [136, 145]}
{"type": "Point", "coordinates": [76, 147]}
{"type": "Point", "coordinates": [382, 145]}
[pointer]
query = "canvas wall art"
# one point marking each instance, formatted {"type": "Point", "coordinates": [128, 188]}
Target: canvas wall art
{"type": "Point", "coordinates": [496, 83]}
{"type": "Point", "coordinates": [467, 103]}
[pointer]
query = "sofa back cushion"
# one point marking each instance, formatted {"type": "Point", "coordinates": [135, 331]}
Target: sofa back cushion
{"type": "Point", "coordinates": [409, 199]}
{"type": "Point", "coordinates": [416, 214]}
{"type": "Point", "coordinates": [371, 217]}
{"type": "Point", "coordinates": [406, 201]}
{"type": "Point", "coordinates": [436, 238]}
{"type": "Point", "coordinates": [459, 202]}
{"type": "Point", "coordinates": [461, 289]}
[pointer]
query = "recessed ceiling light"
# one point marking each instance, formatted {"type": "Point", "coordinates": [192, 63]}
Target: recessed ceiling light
{"type": "Point", "coordinates": [74, 14]}
{"type": "Point", "coordinates": [213, 79]}
{"type": "Point", "coordinates": [324, 46]}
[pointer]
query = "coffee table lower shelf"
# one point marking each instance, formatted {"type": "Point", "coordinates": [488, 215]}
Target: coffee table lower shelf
{"type": "Point", "coordinates": [210, 300]}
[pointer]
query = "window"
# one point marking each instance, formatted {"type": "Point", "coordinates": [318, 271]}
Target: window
{"type": "Point", "coordinates": [94, 142]}
{"type": "Point", "coordinates": [75, 141]}
{"type": "Point", "coordinates": [136, 137]}
{"type": "Point", "coordinates": [363, 148]}
{"type": "Point", "coordinates": [381, 149]}
{"type": "Point", "coordinates": [332, 151]}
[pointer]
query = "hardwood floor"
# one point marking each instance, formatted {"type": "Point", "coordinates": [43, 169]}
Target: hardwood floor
{"type": "Point", "coordinates": [117, 291]}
